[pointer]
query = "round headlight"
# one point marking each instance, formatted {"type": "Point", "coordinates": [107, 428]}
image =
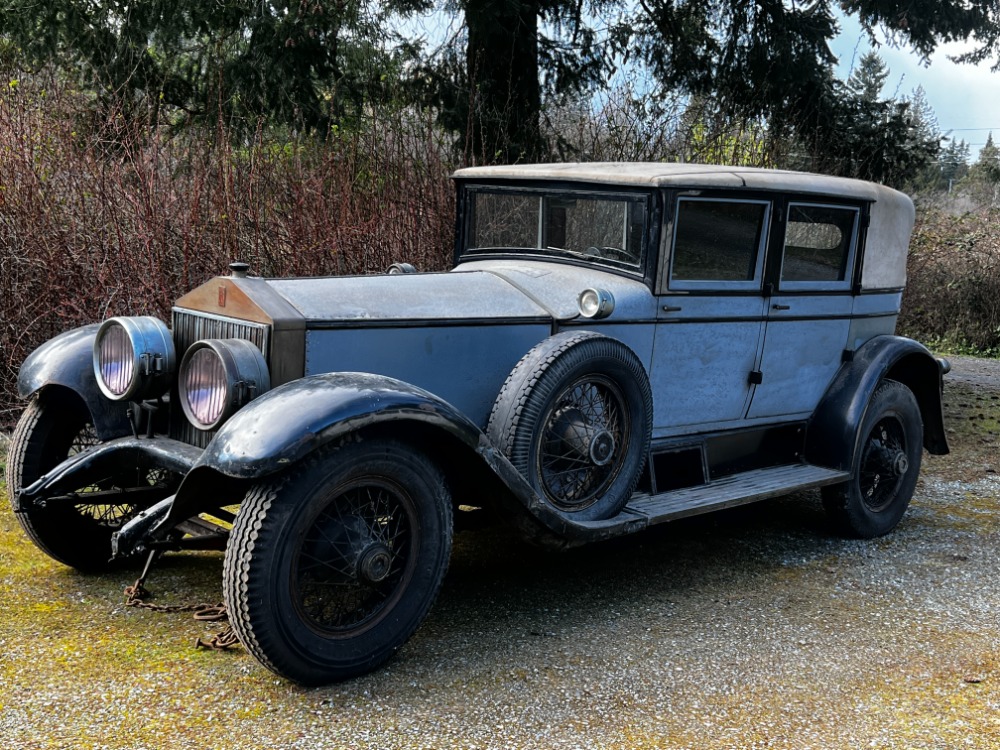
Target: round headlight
{"type": "Point", "coordinates": [217, 377]}
{"type": "Point", "coordinates": [133, 358]}
{"type": "Point", "coordinates": [596, 303]}
{"type": "Point", "coordinates": [398, 268]}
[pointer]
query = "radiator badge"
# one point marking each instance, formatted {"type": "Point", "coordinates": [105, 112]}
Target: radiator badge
{"type": "Point", "coordinates": [222, 296]}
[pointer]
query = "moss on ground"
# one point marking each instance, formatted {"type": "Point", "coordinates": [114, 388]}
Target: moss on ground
{"type": "Point", "coordinates": [745, 630]}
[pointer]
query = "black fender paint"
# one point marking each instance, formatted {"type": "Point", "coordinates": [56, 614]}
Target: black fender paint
{"type": "Point", "coordinates": [67, 361]}
{"type": "Point", "coordinates": [832, 433]}
{"type": "Point", "coordinates": [287, 424]}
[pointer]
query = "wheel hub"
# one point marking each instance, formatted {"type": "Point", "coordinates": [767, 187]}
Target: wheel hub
{"type": "Point", "coordinates": [602, 448]}
{"type": "Point", "coordinates": [572, 432]}
{"type": "Point", "coordinates": [900, 464]}
{"type": "Point", "coordinates": [375, 563]}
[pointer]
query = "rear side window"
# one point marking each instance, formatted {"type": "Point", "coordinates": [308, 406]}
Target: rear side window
{"type": "Point", "coordinates": [718, 243]}
{"type": "Point", "coordinates": [819, 246]}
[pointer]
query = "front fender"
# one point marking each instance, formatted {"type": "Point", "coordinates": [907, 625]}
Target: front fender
{"type": "Point", "coordinates": [832, 434]}
{"type": "Point", "coordinates": [288, 423]}
{"type": "Point", "coordinates": [66, 361]}
{"type": "Point", "coordinates": [285, 425]}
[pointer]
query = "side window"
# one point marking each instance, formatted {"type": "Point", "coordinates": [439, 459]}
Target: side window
{"type": "Point", "coordinates": [718, 243]}
{"type": "Point", "coordinates": [819, 246]}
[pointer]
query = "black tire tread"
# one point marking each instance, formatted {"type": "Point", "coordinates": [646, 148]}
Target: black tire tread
{"type": "Point", "coordinates": [26, 440]}
{"type": "Point", "coordinates": [249, 538]}
{"type": "Point", "coordinates": [508, 409]}
{"type": "Point", "coordinates": [839, 500]}
{"type": "Point", "coordinates": [243, 538]}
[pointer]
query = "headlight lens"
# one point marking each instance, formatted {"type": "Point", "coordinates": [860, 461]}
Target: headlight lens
{"type": "Point", "coordinates": [204, 384]}
{"type": "Point", "coordinates": [133, 358]}
{"type": "Point", "coordinates": [217, 377]}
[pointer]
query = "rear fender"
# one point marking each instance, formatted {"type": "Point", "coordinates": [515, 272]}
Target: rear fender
{"type": "Point", "coordinates": [832, 437]}
{"type": "Point", "coordinates": [65, 362]}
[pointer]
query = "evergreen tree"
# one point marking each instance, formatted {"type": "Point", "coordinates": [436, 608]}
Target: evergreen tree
{"type": "Point", "coordinates": [770, 58]}
{"type": "Point", "coordinates": [983, 179]}
{"type": "Point", "coordinates": [867, 80]}
{"type": "Point", "coordinates": [300, 63]}
{"type": "Point", "coordinates": [954, 163]}
{"type": "Point", "coordinates": [934, 176]}
{"type": "Point", "coordinates": [987, 166]}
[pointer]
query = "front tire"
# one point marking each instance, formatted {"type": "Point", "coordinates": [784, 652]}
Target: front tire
{"type": "Point", "coordinates": [51, 429]}
{"type": "Point", "coordinates": [331, 567]}
{"type": "Point", "coordinates": [887, 464]}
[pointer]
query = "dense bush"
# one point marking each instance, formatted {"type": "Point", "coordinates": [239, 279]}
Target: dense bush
{"type": "Point", "coordinates": [99, 219]}
{"type": "Point", "coordinates": [952, 298]}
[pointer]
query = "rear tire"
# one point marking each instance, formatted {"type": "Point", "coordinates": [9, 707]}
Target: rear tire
{"type": "Point", "coordinates": [331, 567]}
{"type": "Point", "coordinates": [874, 500]}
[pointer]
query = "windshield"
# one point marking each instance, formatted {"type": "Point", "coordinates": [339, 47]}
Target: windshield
{"type": "Point", "coordinates": [604, 227]}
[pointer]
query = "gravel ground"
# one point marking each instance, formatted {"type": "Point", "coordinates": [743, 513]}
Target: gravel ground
{"type": "Point", "coordinates": [753, 628]}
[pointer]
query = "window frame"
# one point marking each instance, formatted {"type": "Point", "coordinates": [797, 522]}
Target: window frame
{"type": "Point", "coordinates": [754, 285]}
{"type": "Point", "coordinates": [643, 197]}
{"type": "Point", "coordinates": [850, 262]}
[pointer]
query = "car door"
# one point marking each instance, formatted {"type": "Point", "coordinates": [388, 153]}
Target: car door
{"type": "Point", "coordinates": [809, 312]}
{"type": "Point", "coordinates": [711, 312]}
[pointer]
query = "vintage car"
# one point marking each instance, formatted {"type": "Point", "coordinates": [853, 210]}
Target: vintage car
{"type": "Point", "coordinates": [617, 345]}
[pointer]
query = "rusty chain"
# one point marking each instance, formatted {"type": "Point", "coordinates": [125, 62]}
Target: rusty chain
{"type": "Point", "coordinates": [225, 639]}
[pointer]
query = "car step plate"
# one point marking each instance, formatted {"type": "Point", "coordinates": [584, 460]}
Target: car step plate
{"type": "Point", "coordinates": [729, 492]}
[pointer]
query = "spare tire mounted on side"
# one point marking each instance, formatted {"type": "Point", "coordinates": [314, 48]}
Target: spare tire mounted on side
{"type": "Point", "coordinates": [574, 417]}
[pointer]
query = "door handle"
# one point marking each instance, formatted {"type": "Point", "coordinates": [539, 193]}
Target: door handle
{"type": "Point", "coordinates": [670, 308]}
{"type": "Point", "coordinates": [776, 306]}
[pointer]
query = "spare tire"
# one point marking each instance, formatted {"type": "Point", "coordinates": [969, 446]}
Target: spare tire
{"type": "Point", "coordinates": [575, 417]}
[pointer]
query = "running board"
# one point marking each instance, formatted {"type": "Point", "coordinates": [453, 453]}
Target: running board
{"type": "Point", "coordinates": [729, 492]}
{"type": "Point", "coordinates": [749, 487]}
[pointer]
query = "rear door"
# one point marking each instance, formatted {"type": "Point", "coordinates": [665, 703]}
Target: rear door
{"type": "Point", "coordinates": [811, 273]}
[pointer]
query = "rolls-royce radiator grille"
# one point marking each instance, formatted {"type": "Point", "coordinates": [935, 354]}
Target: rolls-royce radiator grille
{"type": "Point", "coordinates": [189, 327]}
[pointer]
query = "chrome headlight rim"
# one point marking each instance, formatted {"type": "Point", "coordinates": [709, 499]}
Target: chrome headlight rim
{"type": "Point", "coordinates": [241, 375]}
{"type": "Point", "coordinates": [595, 303]}
{"type": "Point", "coordinates": [146, 358]}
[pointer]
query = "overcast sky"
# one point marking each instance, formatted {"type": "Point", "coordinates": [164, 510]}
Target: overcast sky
{"type": "Point", "coordinates": [965, 98]}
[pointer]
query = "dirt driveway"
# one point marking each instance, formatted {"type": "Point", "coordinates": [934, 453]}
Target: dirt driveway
{"type": "Point", "coordinates": [748, 629]}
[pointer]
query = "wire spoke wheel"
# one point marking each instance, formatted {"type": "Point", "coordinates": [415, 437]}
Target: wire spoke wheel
{"type": "Point", "coordinates": [355, 558]}
{"type": "Point", "coordinates": [79, 534]}
{"type": "Point", "coordinates": [108, 515]}
{"type": "Point", "coordinates": [333, 565]}
{"type": "Point", "coordinates": [580, 444]}
{"type": "Point", "coordinates": [574, 418]}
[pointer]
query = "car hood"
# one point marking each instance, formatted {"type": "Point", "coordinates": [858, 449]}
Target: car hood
{"type": "Point", "coordinates": [365, 299]}
{"type": "Point", "coordinates": [422, 297]}
{"type": "Point", "coordinates": [477, 291]}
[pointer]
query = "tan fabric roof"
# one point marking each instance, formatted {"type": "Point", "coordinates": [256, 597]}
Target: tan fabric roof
{"type": "Point", "coordinates": [892, 212]}
{"type": "Point", "coordinates": [681, 175]}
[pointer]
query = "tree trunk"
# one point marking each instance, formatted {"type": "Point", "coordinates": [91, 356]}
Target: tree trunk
{"type": "Point", "coordinates": [502, 61]}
